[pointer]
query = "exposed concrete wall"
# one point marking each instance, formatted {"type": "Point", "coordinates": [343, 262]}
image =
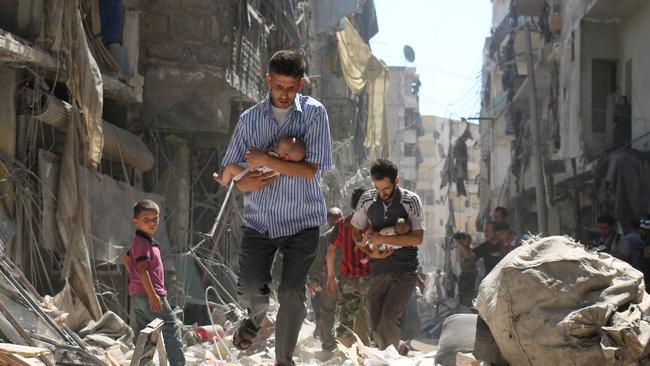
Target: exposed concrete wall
{"type": "Point", "coordinates": [439, 134]}
{"type": "Point", "coordinates": [500, 9]}
{"type": "Point", "coordinates": [188, 54]}
{"type": "Point", "coordinates": [189, 101]}
{"type": "Point", "coordinates": [174, 185]}
{"type": "Point", "coordinates": [635, 47]}
{"type": "Point", "coordinates": [22, 17]}
{"type": "Point", "coordinates": [401, 105]}
{"type": "Point", "coordinates": [571, 144]}
{"type": "Point", "coordinates": [600, 41]}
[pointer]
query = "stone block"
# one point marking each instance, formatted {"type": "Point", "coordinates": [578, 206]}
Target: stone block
{"type": "Point", "coordinates": [190, 26]}
{"type": "Point", "coordinates": [155, 26]}
{"type": "Point", "coordinates": [190, 101]}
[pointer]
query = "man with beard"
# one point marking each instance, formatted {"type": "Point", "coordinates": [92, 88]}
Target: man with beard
{"type": "Point", "coordinates": [282, 212]}
{"type": "Point", "coordinates": [490, 250]}
{"type": "Point", "coordinates": [393, 271]}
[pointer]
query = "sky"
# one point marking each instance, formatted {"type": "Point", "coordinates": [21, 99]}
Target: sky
{"type": "Point", "coordinates": [448, 38]}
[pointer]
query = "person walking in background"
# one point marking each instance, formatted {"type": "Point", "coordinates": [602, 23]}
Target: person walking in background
{"type": "Point", "coordinates": [325, 301]}
{"type": "Point", "coordinates": [500, 214]}
{"type": "Point", "coordinates": [353, 278]}
{"type": "Point", "coordinates": [468, 271]}
{"type": "Point", "coordinates": [509, 241]}
{"type": "Point", "coordinates": [491, 250]}
{"type": "Point", "coordinates": [608, 235]}
{"type": "Point", "coordinates": [630, 248]}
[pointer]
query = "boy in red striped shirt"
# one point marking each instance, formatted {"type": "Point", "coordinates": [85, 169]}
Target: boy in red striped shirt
{"type": "Point", "coordinates": [354, 271]}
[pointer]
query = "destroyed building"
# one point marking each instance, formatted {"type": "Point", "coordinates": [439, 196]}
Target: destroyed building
{"type": "Point", "coordinates": [451, 204]}
{"type": "Point", "coordinates": [564, 79]}
{"type": "Point", "coordinates": [89, 124]}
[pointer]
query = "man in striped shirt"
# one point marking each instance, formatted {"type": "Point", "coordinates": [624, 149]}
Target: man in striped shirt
{"type": "Point", "coordinates": [353, 284]}
{"type": "Point", "coordinates": [282, 212]}
{"type": "Point", "coordinates": [393, 271]}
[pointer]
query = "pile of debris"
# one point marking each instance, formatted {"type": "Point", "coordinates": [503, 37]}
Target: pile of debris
{"type": "Point", "coordinates": [550, 302]}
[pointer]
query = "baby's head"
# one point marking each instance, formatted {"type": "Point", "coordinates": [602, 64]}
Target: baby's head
{"type": "Point", "coordinates": [402, 227]}
{"type": "Point", "coordinates": [290, 148]}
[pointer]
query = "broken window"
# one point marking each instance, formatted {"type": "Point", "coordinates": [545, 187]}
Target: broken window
{"type": "Point", "coordinates": [603, 84]}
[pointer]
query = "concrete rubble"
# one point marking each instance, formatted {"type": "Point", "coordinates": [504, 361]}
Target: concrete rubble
{"type": "Point", "coordinates": [110, 341]}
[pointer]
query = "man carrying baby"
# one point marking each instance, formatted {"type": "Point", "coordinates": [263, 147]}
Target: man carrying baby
{"type": "Point", "coordinates": [393, 271]}
{"type": "Point", "coordinates": [288, 148]}
{"type": "Point", "coordinates": [283, 208]}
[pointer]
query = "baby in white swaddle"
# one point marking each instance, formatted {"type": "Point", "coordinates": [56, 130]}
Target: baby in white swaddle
{"type": "Point", "coordinates": [288, 148]}
{"type": "Point", "coordinates": [401, 228]}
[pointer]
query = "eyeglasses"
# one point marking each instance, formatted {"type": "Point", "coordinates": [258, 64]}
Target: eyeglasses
{"type": "Point", "coordinates": [151, 220]}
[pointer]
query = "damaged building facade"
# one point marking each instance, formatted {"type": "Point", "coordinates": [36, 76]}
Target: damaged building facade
{"type": "Point", "coordinates": [565, 78]}
{"type": "Point", "coordinates": [89, 124]}
{"type": "Point", "coordinates": [448, 176]}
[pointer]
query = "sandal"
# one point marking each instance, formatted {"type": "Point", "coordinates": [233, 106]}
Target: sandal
{"type": "Point", "coordinates": [244, 336]}
{"type": "Point", "coordinates": [403, 349]}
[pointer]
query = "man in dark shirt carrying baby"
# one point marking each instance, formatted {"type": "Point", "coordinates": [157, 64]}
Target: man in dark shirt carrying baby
{"type": "Point", "coordinates": [393, 271]}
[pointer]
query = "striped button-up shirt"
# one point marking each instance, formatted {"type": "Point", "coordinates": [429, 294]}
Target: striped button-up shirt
{"type": "Point", "coordinates": [290, 204]}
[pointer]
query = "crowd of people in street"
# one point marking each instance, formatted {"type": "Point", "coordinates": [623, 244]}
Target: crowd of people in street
{"type": "Point", "coordinates": [361, 269]}
{"type": "Point", "coordinates": [631, 245]}
{"type": "Point", "coordinates": [500, 239]}
{"type": "Point", "coordinates": [276, 155]}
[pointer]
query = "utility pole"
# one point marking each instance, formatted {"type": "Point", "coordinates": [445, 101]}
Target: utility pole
{"type": "Point", "coordinates": [540, 186]}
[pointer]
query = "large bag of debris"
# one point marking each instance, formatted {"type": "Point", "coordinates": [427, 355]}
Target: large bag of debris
{"type": "Point", "coordinates": [467, 333]}
{"type": "Point", "coordinates": [549, 302]}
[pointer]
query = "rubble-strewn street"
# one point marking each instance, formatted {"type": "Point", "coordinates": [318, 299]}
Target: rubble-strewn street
{"type": "Point", "coordinates": [324, 182]}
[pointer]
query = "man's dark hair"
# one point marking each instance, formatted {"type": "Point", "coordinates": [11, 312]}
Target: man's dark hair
{"type": "Point", "coordinates": [462, 236]}
{"type": "Point", "coordinates": [334, 212]}
{"type": "Point", "coordinates": [627, 101]}
{"type": "Point", "coordinates": [383, 168]}
{"type": "Point", "coordinates": [356, 195]}
{"type": "Point", "coordinates": [288, 63]}
{"type": "Point", "coordinates": [606, 219]}
{"type": "Point", "coordinates": [145, 205]}
{"type": "Point", "coordinates": [490, 223]}
{"type": "Point", "coordinates": [501, 226]}
{"type": "Point", "coordinates": [503, 210]}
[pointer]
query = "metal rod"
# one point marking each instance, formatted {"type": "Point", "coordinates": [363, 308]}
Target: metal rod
{"type": "Point", "coordinates": [22, 332]}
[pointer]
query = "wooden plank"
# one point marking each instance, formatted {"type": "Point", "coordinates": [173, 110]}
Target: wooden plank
{"type": "Point", "coordinates": [15, 51]}
{"type": "Point", "coordinates": [21, 331]}
{"type": "Point", "coordinates": [149, 341]}
{"type": "Point", "coordinates": [23, 350]}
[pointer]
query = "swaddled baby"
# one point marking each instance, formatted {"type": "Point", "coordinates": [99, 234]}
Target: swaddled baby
{"type": "Point", "coordinates": [401, 228]}
{"type": "Point", "coordinates": [288, 148]}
